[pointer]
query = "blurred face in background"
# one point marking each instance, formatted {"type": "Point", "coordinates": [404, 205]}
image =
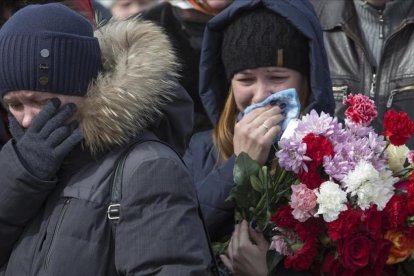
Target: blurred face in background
{"type": "Point", "coordinates": [378, 3]}
{"type": "Point", "coordinates": [122, 9]}
{"type": "Point", "coordinates": [218, 5]}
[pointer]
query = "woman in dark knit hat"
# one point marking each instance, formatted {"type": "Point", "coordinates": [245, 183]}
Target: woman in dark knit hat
{"type": "Point", "coordinates": [252, 51]}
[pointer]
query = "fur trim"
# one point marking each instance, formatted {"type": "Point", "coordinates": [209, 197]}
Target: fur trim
{"type": "Point", "coordinates": [139, 72]}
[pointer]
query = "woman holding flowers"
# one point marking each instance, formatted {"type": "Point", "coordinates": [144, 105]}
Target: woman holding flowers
{"type": "Point", "coordinates": [252, 51]}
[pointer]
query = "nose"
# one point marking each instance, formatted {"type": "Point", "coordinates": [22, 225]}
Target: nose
{"type": "Point", "coordinates": [29, 114]}
{"type": "Point", "coordinates": [262, 92]}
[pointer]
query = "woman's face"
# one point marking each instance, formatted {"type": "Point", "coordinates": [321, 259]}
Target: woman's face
{"type": "Point", "coordinates": [254, 85]}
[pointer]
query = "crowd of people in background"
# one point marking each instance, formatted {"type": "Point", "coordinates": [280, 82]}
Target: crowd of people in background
{"type": "Point", "coordinates": [162, 85]}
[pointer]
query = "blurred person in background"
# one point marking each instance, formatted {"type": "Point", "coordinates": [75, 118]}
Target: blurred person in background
{"type": "Point", "coordinates": [370, 48]}
{"type": "Point", "coordinates": [184, 22]}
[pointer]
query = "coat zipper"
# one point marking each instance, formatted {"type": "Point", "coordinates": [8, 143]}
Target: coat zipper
{"type": "Point", "coordinates": [396, 91]}
{"type": "Point", "coordinates": [373, 85]}
{"type": "Point", "coordinates": [381, 21]}
{"type": "Point", "coordinates": [59, 223]}
{"type": "Point", "coordinates": [342, 90]}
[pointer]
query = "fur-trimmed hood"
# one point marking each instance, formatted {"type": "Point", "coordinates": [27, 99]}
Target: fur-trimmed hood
{"type": "Point", "coordinates": [135, 87]}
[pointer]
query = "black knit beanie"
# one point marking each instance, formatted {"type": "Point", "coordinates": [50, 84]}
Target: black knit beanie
{"type": "Point", "coordinates": [261, 38]}
{"type": "Point", "coordinates": [48, 48]}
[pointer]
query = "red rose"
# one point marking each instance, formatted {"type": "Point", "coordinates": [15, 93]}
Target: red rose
{"type": "Point", "coordinates": [372, 220]}
{"type": "Point", "coordinates": [380, 249]}
{"type": "Point", "coordinates": [395, 213]}
{"type": "Point", "coordinates": [398, 127]}
{"type": "Point", "coordinates": [362, 109]}
{"type": "Point", "coordinates": [346, 225]}
{"type": "Point", "coordinates": [283, 217]}
{"type": "Point", "coordinates": [354, 252]}
{"type": "Point", "coordinates": [303, 258]}
{"type": "Point", "coordinates": [332, 266]}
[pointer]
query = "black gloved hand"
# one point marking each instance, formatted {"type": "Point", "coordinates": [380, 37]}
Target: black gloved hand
{"type": "Point", "coordinates": [44, 145]}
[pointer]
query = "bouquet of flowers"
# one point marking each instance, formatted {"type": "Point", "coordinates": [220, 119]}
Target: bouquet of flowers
{"type": "Point", "coordinates": [340, 198]}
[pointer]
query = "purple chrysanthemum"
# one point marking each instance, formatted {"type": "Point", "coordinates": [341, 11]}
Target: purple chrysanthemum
{"type": "Point", "coordinates": [292, 156]}
{"type": "Point", "coordinates": [322, 124]}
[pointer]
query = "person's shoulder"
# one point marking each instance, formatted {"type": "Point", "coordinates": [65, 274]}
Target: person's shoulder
{"type": "Point", "coordinates": [203, 137]}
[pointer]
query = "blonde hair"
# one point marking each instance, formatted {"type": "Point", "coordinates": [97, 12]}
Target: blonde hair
{"type": "Point", "coordinates": [223, 132]}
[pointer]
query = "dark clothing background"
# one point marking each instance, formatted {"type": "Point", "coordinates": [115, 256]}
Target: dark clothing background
{"type": "Point", "coordinates": [4, 134]}
{"type": "Point", "coordinates": [186, 38]}
{"type": "Point", "coordinates": [350, 67]}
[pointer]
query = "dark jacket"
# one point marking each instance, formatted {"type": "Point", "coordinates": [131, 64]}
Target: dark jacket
{"type": "Point", "coordinates": [350, 67]}
{"type": "Point", "coordinates": [186, 38]}
{"type": "Point", "coordinates": [214, 181]}
{"type": "Point", "coordinates": [60, 227]}
{"type": "Point", "coordinates": [4, 133]}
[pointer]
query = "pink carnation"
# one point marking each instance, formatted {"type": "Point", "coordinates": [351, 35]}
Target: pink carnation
{"type": "Point", "coordinates": [410, 157]}
{"type": "Point", "coordinates": [303, 202]}
{"type": "Point", "coordinates": [280, 245]}
{"type": "Point", "coordinates": [362, 109]}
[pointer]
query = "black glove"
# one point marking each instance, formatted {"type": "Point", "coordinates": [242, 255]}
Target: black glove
{"type": "Point", "coordinates": [48, 140]}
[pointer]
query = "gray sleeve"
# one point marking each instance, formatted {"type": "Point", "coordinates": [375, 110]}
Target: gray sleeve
{"type": "Point", "coordinates": [160, 231]}
{"type": "Point", "coordinates": [21, 197]}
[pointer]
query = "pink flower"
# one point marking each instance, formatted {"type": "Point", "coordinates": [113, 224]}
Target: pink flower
{"type": "Point", "coordinates": [303, 202]}
{"type": "Point", "coordinates": [280, 245]}
{"type": "Point", "coordinates": [362, 109]}
{"type": "Point", "coordinates": [410, 157]}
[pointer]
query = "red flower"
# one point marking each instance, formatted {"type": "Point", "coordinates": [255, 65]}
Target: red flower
{"type": "Point", "coordinates": [410, 198]}
{"type": "Point", "coordinates": [312, 227]}
{"type": "Point", "coordinates": [395, 213]}
{"type": "Point", "coordinates": [317, 146]}
{"type": "Point", "coordinates": [380, 249]}
{"type": "Point", "coordinates": [283, 217]}
{"type": "Point", "coordinates": [372, 220]}
{"type": "Point", "coordinates": [354, 252]}
{"type": "Point", "coordinates": [362, 109]}
{"type": "Point", "coordinates": [346, 225]}
{"type": "Point", "coordinates": [303, 258]}
{"type": "Point", "coordinates": [312, 179]}
{"type": "Point", "coordinates": [333, 267]}
{"type": "Point", "coordinates": [398, 127]}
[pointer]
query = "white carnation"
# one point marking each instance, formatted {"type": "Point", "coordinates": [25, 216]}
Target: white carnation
{"type": "Point", "coordinates": [397, 155]}
{"type": "Point", "coordinates": [369, 185]}
{"type": "Point", "coordinates": [331, 200]}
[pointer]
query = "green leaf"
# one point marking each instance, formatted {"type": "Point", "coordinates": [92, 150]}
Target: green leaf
{"type": "Point", "coordinates": [273, 259]}
{"type": "Point", "coordinates": [244, 167]}
{"type": "Point", "coordinates": [220, 247]}
{"type": "Point", "coordinates": [256, 183]}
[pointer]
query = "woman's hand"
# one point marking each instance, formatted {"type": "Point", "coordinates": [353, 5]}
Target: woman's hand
{"type": "Point", "coordinates": [255, 132]}
{"type": "Point", "coordinates": [244, 257]}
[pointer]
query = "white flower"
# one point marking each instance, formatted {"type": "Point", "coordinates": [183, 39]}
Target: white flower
{"type": "Point", "coordinates": [331, 200]}
{"type": "Point", "coordinates": [397, 157]}
{"type": "Point", "coordinates": [369, 185]}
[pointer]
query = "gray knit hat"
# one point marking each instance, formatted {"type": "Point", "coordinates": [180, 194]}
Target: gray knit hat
{"type": "Point", "coordinates": [48, 48]}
